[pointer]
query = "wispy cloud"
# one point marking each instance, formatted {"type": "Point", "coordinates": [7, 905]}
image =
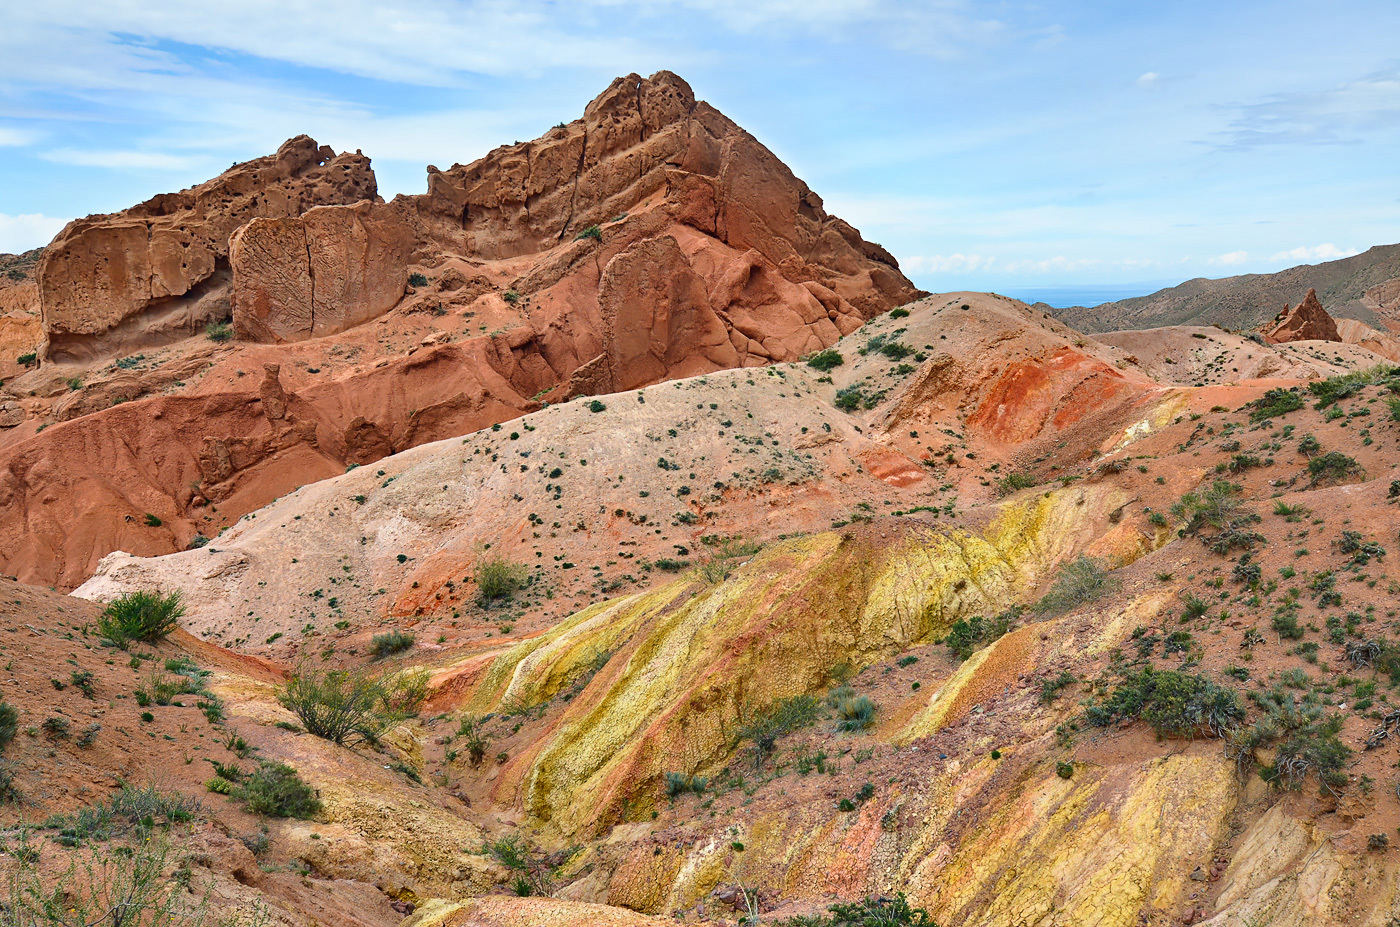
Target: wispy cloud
{"type": "Point", "coordinates": [1340, 114]}
{"type": "Point", "coordinates": [948, 263]}
{"type": "Point", "coordinates": [1230, 259]}
{"type": "Point", "coordinates": [1323, 252]}
{"type": "Point", "coordinates": [20, 233]}
{"type": "Point", "coordinates": [139, 160]}
{"type": "Point", "coordinates": [17, 138]}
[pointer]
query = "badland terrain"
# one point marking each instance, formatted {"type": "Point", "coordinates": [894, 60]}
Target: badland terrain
{"type": "Point", "coordinates": [610, 535]}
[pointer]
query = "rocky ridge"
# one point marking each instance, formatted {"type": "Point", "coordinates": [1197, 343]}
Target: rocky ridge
{"type": "Point", "coordinates": [650, 239]}
{"type": "Point", "coordinates": [1364, 287]}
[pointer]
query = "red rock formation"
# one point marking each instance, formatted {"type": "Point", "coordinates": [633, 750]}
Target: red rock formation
{"type": "Point", "coordinates": [648, 240]}
{"type": "Point", "coordinates": [155, 272]}
{"type": "Point", "coordinates": [643, 146]}
{"type": "Point", "coordinates": [1307, 322]}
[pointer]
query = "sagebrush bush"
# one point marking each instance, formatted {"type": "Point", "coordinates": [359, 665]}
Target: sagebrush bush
{"type": "Point", "coordinates": [1177, 704]}
{"type": "Point", "coordinates": [9, 723]}
{"type": "Point", "coordinates": [338, 705]}
{"type": "Point", "coordinates": [141, 616]}
{"type": "Point", "coordinates": [765, 726]}
{"type": "Point", "coordinates": [390, 643]}
{"type": "Point", "coordinates": [498, 578]}
{"type": "Point", "coordinates": [1274, 403]}
{"type": "Point", "coordinates": [826, 360]}
{"type": "Point", "coordinates": [132, 888]}
{"type": "Point", "coordinates": [1332, 467]}
{"type": "Point", "coordinates": [1013, 482]}
{"type": "Point", "coordinates": [853, 712]}
{"type": "Point", "coordinates": [1221, 508]}
{"type": "Point", "coordinates": [218, 332]}
{"type": "Point", "coordinates": [275, 789]}
{"type": "Point", "coordinates": [1079, 582]}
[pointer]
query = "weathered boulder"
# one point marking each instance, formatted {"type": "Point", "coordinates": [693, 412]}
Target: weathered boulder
{"type": "Point", "coordinates": [156, 271]}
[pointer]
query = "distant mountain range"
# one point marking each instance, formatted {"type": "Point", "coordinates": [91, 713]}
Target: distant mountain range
{"type": "Point", "coordinates": [1365, 287]}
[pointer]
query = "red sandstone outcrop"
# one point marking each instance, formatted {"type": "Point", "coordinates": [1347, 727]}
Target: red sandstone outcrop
{"type": "Point", "coordinates": [643, 146]}
{"type": "Point", "coordinates": [153, 273]}
{"type": "Point", "coordinates": [650, 239]}
{"type": "Point", "coordinates": [1308, 321]}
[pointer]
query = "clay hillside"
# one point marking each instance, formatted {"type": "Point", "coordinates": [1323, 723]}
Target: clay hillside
{"type": "Point", "coordinates": [192, 358]}
{"type": "Point", "coordinates": [1365, 288]}
{"type": "Point", "coordinates": [611, 537]}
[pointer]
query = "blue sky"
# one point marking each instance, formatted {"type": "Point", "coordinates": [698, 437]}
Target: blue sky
{"type": "Point", "coordinates": [988, 145]}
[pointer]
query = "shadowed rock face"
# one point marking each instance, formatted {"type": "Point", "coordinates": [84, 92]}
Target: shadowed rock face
{"type": "Point", "coordinates": [152, 273]}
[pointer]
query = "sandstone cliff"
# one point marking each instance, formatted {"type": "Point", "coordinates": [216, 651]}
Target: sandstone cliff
{"type": "Point", "coordinates": [159, 270]}
{"type": "Point", "coordinates": [648, 240]}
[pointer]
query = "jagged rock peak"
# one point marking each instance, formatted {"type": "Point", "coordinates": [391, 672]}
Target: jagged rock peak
{"type": "Point", "coordinates": [1308, 321]}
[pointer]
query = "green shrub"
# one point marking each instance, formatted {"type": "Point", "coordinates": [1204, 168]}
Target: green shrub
{"type": "Point", "coordinates": [1193, 607]}
{"type": "Point", "coordinates": [853, 712]}
{"type": "Point", "coordinates": [1335, 389]}
{"type": "Point", "coordinates": [596, 406]}
{"type": "Point", "coordinates": [592, 232]}
{"type": "Point", "coordinates": [532, 875]}
{"type": "Point", "coordinates": [1079, 582]}
{"type": "Point", "coordinates": [1050, 687]}
{"type": "Point", "coordinates": [498, 578]}
{"type": "Point", "coordinates": [142, 616]}
{"type": "Point", "coordinates": [1175, 704]}
{"type": "Point", "coordinates": [473, 739]}
{"type": "Point", "coordinates": [967, 635]}
{"type": "Point", "coordinates": [276, 790]}
{"type": "Point", "coordinates": [29, 359]}
{"type": "Point", "coordinates": [9, 723]}
{"type": "Point", "coordinates": [1222, 509]}
{"type": "Point", "coordinates": [337, 705]}
{"type": "Point", "coordinates": [131, 888]}
{"type": "Point", "coordinates": [1013, 482]}
{"type": "Point", "coordinates": [826, 360]}
{"type": "Point", "coordinates": [848, 399]}
{"type": "Point", "coordinates": [1307, 741]}
{"type": "Point", "coordinates": [218, 332]}
{"type": "Point", "coordinates": [1332, 467]}
{"type": "Point", "coordinates": [416, 280]}
{"type": "Point", "coordinates": [678, 784]}
{"type": "Point", "coordinates": [766, 726]}
{"type": "Point", "coordinates": [1274, 403]}
{"type": "Point", "coordinates": [390, 643]}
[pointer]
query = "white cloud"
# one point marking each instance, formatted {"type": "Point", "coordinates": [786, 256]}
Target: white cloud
{"type": "Point", "coordinates": [948, 263]}
{"type": "Point", "coordinates": [141, 160]}
{"type": "Point", "coordinates": [1149, 80]}
{"type": "Point", "coordinates": [1340, 114]}
{"type": "Point", "coordinates": [29, 230]}
{"type": "Point", "coordinates": [1231, 258]}
{"type": "Point", "coordinates": [1323, 252]}
{"type": "Point", "coordinates": [16, 138]}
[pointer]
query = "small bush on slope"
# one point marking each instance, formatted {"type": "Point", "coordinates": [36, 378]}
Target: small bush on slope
{"type": "Point", "coordinates": [1078, 583]}
{"type": "Point", "coordinates": [275, 789]}
{"type": "Point", "coordinates": [140, 616]}
{"type": "Point", "coordinates": [338, 705]}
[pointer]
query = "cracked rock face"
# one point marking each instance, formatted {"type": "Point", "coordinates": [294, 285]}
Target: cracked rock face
{"type": "Point", "coordinates": [155, 272]}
